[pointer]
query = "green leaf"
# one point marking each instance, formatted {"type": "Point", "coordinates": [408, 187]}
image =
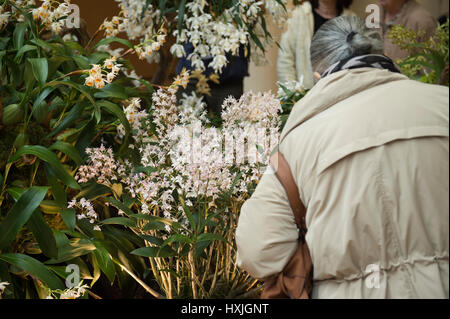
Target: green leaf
{"type": "Point", "coordinates": [61, 238]}
{"type": "Point", "coordinates": [199, 248]}
{"type": "Point", "coordinates": [19, 35]}
{"type": "Point", "coordinates": [211, 237]}
{"type": "Point", "coordinates": [67, 149]}
{"type": "Point", "coordinates": [154, 226]}
{"type": "Point", "coordinates": [104, 261]}
{"type": "Point", "coordinates": [120, 221]}
{"type": "Point", "coordinates": [109, 40]}
{"type": "Point", "coordinates": [4, 42]}
{"type": "Point", "coordinates": [77, 247]}
{"type": "Point", "coordinates": [43, 233]}
{"type": "Point", "coordinates": [26, 48]}
{"type": "Point", "coordinates": [154, 252]}
{"type": "Point", "coordinates": [85, 138]}
{"type": "Point", "coordinates": [74, 45]}
{"type": "Point", "coordinates": [40, 69]}
{"type": "Point", "coordinates": [97, 57]}
{"type": "Point", "coordinates": [120, 205]}
{"type": "Point", "coordinates": [118, 112]}
{"type": "Point", "coordinates": [54, 63]}
{"type": "Point", "coordinates": [152, 239]}
{"type": "Point", "coordinates": [165, 221]}
{"type": "Point", "coordinates": [20, 213]}
{"type": "Point", "coordinates": [69, 218]}
{"type": "Point", "coordinates": [74, 115]}
{"type": "Point", "coordinates": [96, 272]}
{"type": "Point", "coordinates": [57, 190]}
{"type": "Point", "coordinates": [83, 90]}
{"type": "Point", "coordinates": [94, 191]}
{"type": "Point", "coordinates": [82, 62]}
{"type": "Point", "coordinates": [233, 185]}
{"type": "Point", "coordinates": [112, 90]}
{"type": "Point", "coordinates": [47, 45]}
{"type": "Point", "coordinates": [181, 10]}
{"type": "Point", "coordinates": [148, 85]}
{"type": "Point", "coordinates": [15, 192]}
{"type": "Point", "coordinates": [2, 54]}
{"type": "Point", "coordinates": [177, 238]}
{"type": "Point", "coordinates": [47, 156]}
{"type": "Point", "coordinates": [40, 99]}
{"type": "Point", "coordinates": [43, 95]}
{"type": "Point", "coordinates": [256, 40]}
{"type": "Point", "coordinates": [35, 268]}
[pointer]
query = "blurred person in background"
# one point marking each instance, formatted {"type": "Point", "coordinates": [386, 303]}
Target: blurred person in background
{"type": "Point", "coordinates": [409, 14]}
{"type": "Point", "coordinates": [294, 55]}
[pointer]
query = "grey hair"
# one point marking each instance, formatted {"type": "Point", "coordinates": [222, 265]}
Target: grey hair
{"type": "Point", "coordinates": [341, 38]}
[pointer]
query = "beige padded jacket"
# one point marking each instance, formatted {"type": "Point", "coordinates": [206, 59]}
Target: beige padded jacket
{"type": "Point", "coordinates": [294, 57]}
{"type": "Point", "coordinates": [369, 150]}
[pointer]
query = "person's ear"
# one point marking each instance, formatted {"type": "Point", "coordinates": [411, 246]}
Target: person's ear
{"type": "Point", "coordinates": [317, 76]}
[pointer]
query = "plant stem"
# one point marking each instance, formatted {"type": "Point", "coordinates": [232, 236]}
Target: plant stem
{"type": "Point", "coordinates": [93, 37]}
{"type": "Point", "coordinates": [71, 73]}
{"type": "Point", "coordinates": [139, 281]}
{"type": "Point", "coordinates": [191, 262]}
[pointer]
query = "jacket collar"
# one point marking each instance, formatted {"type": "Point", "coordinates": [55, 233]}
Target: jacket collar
{"type": "Point", "coordinates": [334, 89]}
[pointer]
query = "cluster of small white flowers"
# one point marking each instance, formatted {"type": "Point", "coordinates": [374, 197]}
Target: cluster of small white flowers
{"type": "Point", "coordinates": [136, 118]}
{"type": "Point", "coordinates": [277, 10]}
{"type": "Point", "coordinates": [181, 79]}
{"type": "Point", "coordinates": [188, 158]}
{"type": "Point", "coordinates": [101, 166]}
{"type": "Point", "coordinates": [165, 110]}
{"type": "Point", "coordinates": [202, 170]}
{"type": "Point", "coordinates": [87, 211]}
{"type": "Point", "coordinates": [212, 36]}
{"type": "Point", "coordinates": [251, 108]}
{"type": "Point", "coordinates": [74, 293]}
{"type": "Point", "coordinates": [222, 35]}
{"type": "Point", "coordinates": [116, 25]}
{"type": "Point", "coordinates": [99, 74]}
{"type": "Point", "coordinates": [131, 74]}
{"type": "Point", "coordinates": [24, 3]}
{"type": "Point", "coordinates": [138, 26]}
{"type": "Point", "coordinates": [293, 86]}
{"type": "Point", "coordinates": [13, 13]}
{"type": "Point", "coordinates": [112, 52]}
{"type": "Point", "coordinates": [51, 13]}
{"type": "Point", "coordinates": [153, 190]}
{"type": "Point", "coordinates": [4, 17]}
{"type": "Point", "coordinates": [254, 121]}
{"type": "Point", "coordinates": [150, 45]}
{"type": "Point", "coordinates": [69, 293]}
{"type": "Point", "coordinates": [192, 107]}
{"type": "Point", "coordinates": [3, 287]}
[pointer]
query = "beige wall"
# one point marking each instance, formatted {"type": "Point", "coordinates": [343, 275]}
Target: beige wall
{"type": "Point", "coordinates": [264, 78]}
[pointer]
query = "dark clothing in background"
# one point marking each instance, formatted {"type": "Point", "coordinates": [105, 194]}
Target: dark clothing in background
{"type": "Point", "coordinates": [219, 92]}
{"type": "Point", "coordinates": [231, 79]}
{"type": "Point", "coordinates": [318, 21]}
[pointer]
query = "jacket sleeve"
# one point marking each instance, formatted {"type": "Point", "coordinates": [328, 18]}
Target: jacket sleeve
{"type": "Point", "coordinates": [266, 234]}
{"type": "Point", "coordinates": [286, 66]}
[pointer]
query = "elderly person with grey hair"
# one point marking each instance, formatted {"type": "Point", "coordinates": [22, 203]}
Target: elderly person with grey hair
{"type": "Point", "coordinates": [369, 152]}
